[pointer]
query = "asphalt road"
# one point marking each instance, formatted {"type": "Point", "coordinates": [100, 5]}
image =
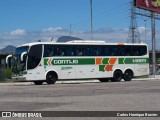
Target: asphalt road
{"type": "Point", "coordinates": [94, 96]}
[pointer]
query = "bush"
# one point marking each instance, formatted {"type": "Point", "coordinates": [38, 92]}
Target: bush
{"type": "Point", "coordinates": [5, 74]}
{"type": "Point", "coordinates": [158, 61]}
{"type": "Point", "coordinates": [2, 77]}
{"type": "Point", "coordinates": [8, 73]}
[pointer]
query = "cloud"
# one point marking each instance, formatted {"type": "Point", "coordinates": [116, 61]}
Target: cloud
{"type": "Point", "coordinates": [21, 36]}
{"type": "Point", "coordinates": [141, 29]}
{"type": "Point", "coordinates": [51, 29]}
{"type": "Point", "coordinates": [18, 32]}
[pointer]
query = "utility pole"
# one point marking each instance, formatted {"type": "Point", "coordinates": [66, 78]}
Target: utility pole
{"type": "Point", "coordinates": [70, 29]}
{"type": "Point", "coordinates": [134, 35]}
{"type": "Point", "coordinates": [145, 29]}
{"type": "Point", "coordinates": [153, 43]}
{"type": "Point", "coordinates": [91, 19]}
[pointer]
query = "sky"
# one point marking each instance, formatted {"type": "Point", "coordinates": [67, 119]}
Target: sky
{"type": "Point", "coordinates": [24, 21]}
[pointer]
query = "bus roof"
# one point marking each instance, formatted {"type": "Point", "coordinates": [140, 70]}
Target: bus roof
{"type": "Point", "coordinates": [80, 42]}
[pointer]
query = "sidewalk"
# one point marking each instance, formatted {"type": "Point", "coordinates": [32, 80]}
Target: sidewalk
{"type": "Point", "coordinates": [151, 77]}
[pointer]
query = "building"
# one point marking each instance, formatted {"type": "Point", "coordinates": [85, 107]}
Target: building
{"type": "Point", "coordinates": [3, 61]}
{"type": "Point", "coordinates": [3, 58]}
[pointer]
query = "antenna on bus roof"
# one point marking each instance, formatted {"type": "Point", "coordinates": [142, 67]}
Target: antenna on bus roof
{"type": "Point", "coordinates": [52, 38]}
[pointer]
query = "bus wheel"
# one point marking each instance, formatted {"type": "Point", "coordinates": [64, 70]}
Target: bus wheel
{"type": "Point", "coordinates": [51, 78]}
{"type": "Point", "coordinates": [38, 82]}
{"type": "Point", "coordinates": [103, 79]}
{"type": "Point", "coordinates": [128, 75]}
{"type": "Point", "coordinates": [117, 76]}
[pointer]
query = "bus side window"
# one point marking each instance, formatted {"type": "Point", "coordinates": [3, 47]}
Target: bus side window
{"type": "Point", "coordinates": [63, 51]}
{"type": "Point", "coordinates": [48, 51]}
{"type": "Point", "coordinates": [127, 51]}
{"type": "Point", "coordinates": [51, 52]}
{"type": "Point", "coordinates": [113, 51]}
{"type": "Point", "coordinates": [45, 52]}
{"type": "Point", "coordinates": [70, 51]}
{"type": "Point", "coordinates": [87, 51]}
{"type": "Point", "coordinates": [56, 51]}
{"type": "Point", "coordinates": [96, 53]}
{"type": "Point", "coordinates": [79, 53]}
{"type": "Point", "coordinates": [106, 51]}
{"type": "Point", "coordinates": [121, 51]}
{"type": "Point", "coordinates": [143, 50]}
{"type": "Point", "coordinates": [136, 52]}
{"type": "Point", "coordinates": [110, 52]}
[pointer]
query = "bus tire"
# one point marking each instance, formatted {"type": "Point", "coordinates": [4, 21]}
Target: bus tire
{"type": "Point", "coordinates": [103, 79]}
{"type": "Point", "coordinates": [38, 82]}
{"type": "Point", "coordinates": [117, 76]}
{"type": "Point", "coordinates": [128, 75]}
{"type": "Point", "coordinates": [51, 78]}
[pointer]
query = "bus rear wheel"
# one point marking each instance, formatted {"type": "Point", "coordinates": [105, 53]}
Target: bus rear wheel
{"type": "Point", "coordinates": [117, 76]}
{"type": "Point", "coordinates": [38, 82]}
{"type": "Point", "coordinates": [128, 75]}
{"type": "Point", "coordinates": [51, 78]}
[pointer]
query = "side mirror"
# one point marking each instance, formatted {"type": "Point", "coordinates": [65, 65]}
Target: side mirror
{"type": "Point", "coordinates": [22, 55]}
{"type": "Point", "coordinates": [8, 58]}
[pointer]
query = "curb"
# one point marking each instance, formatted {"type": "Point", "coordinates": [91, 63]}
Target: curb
{"type": "Point", "coordinates": [71, 82]}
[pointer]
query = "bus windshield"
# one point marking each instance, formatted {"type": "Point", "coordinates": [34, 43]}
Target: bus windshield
{"type": "Point", "coordinates": [17, 64]}
{"type": "Point", "coordinates": [34, 56]}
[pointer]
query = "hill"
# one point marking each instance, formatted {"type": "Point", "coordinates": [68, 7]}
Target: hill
{"type": "Point", "coordinates": [8, 49]}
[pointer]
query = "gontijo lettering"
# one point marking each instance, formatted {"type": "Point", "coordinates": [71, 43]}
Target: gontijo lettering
{"type": "Point", "coordinates": [62, 62]}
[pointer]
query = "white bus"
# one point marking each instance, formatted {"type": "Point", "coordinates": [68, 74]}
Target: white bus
{"type": "Point", "coordinates": [48, 62]}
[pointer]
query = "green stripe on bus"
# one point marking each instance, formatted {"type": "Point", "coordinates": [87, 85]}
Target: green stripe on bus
{"type": "Point", "coordinates": [45, 61]}
{"type": "Point", "coordinates": [71, 61]}
{"type": "Point", "coordinates": [133, 60]}
{"type": "Point", "coordinates": [92, 61]}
